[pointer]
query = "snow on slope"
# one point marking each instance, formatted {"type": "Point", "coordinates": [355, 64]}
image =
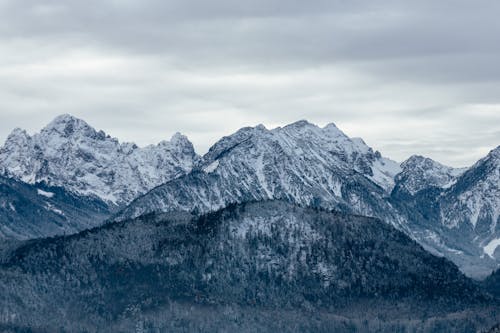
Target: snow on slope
{"type": "Point", "coordinates": [37, 211]}
{"type": "Point", "coordinates": [420, 172]}
{"type": "Point", "coordinates": [490, 248]}
{"type": "Point", "coordinates": [300, 162]}
{"type": "Point", "coordinates": [475, 197]}
{"type": "Point", "coordinates": [45, 194]}
{"type": "Point", "coordinates": [70, 153]}
{"type": "Point", "coordinates": [459, 206]}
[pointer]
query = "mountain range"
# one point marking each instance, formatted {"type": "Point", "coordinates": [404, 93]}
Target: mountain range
{"type": "Point", "coordinates": [70, 153]}
{"type": "Point", "coordinates": [451, 212]}
{"type": "Point", "coordinates": [293, 229]}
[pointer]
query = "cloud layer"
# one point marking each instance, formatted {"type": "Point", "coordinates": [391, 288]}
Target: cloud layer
{"type": "Point", "coordinates": [408, 78]}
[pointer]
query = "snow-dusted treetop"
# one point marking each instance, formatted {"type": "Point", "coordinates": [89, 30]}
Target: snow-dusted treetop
{"type": "Point", "coordinates": [70, 153]}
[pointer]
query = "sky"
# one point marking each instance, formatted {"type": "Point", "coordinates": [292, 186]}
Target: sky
{"type": "Point", "coordinates": [419, 77]}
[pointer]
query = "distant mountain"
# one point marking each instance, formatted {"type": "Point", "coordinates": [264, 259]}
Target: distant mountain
{"type": "Point", "coordinates": [266, 266]}
{"type": "Point", "coordinates": [302, 163]}
{"type": "Point", "coordinates": [31, 211]}
{"type": "Point", "coordinates": [69, 153]}
{"type": "Point", "coordinates": [419, 173]}
{"type": "Point", "coordinates": [322, 167]}
{"type": "Point", "coordinates": [474, 200]}
{"type": "Point", "coordinates": [453, 212]}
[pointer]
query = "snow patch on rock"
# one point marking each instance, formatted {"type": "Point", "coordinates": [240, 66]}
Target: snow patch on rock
{"type": "Point", "coordinates": [211, 167]}
{"type": "Point", "coordinates": [71, 154]}
{"type": "Point", "coordinates": [45, 194]}
{"type": "Point", "coordinates": [490, 248]}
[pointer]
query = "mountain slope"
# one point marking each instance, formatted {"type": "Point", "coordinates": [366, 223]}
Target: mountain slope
{"type": "Point", "coordinates": [28, 211]}
{"type": "Point", "coordinates": [300, 162]}
{"type": "Point", "coordinates": [419, 173]}
{"type": "Point", "coordinates": [322, 167]}
{"type": "Point", "coordinates": [268, 257]}
{"type": "Point", "coordinates": [71, 154]}
{"type": "Point", "coordinates": [453, 212]}
{"type": "Point", "coordinates": [475, 198]}
{"type": "Point", "coordinates": [472, 206]}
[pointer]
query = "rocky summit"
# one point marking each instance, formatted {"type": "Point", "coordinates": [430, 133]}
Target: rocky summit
{"type": "Point", "coordinates": [70, 153]}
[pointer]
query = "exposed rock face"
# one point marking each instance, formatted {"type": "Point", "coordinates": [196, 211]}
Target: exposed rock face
{"type": "Point", "coordinates": [300, 162]}
{"type": "Point", "coordinates": [454, 212]}
{"type": "Point", "coordinates": [420, 173]}
{"type": "Point", "coordinates": [451, 212]}
{"type": "Point", "coordinates": [71, 154]}
{"type": "Point", "coordinates": [438, 206]}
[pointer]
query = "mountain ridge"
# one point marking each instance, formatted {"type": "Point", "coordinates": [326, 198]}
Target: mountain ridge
{"type": "Point", "coordinates": [315, 166]}
{"type": "Point", "coordinates": [451, 212]}
{"type": "Point", "coordinates": [319, 167]}
{"type": "Point", "coordinates": [70, 153]}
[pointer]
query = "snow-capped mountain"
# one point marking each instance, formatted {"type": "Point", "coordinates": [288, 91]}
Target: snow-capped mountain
{"type": "Point", "coordinates": [420, 173]}
{"type": "Point", "coordinates": [322, 167]}
{"type": "Point", "coordinates": [475, 197]}
{"type": "Point", "coordinates": [301, 162]}
{"type": "Point", "coordinates": [474, 201]}
{"type": "Point", "coordinates": [71, 154]}
{"type": "Point", "coordinates": [451, 212]}
{"type": "Point", "coordinates": [454, 212]}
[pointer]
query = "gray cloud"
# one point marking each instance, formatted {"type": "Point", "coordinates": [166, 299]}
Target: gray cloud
{"type": "Point", "coordinates": [409, 78]}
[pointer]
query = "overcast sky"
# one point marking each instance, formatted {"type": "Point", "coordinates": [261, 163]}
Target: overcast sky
{"type": "Point", "coordinates": [409, 78]}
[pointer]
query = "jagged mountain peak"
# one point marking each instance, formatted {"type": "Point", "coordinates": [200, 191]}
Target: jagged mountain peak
{"type": "Point", "coordinates": [301, 124]}
{"type": "Point", "coordinates": [229, 142]}
{"type": "Point", "coordinates": [16, 137]}
{"type": "Point", "coordinates": [298, 134]}
{"type": "Point", "coordinates": [178, 141]}
{"type": "Point", "coordinates": [486, 167]}
{"type": "Point", "coordinates": [420, 172]}
{"type": "Point", "coordinates": [18, 132]}
{"type": "Point", "coordinates": [413, 159]}
{"type": "Point", "coordinates": [304, 140]}
{"type": "Point", "coordinates": [178, 138]}
{"type": "Point", "coordinates": [302, 127]}
{"type": "Point", "coordinates": [494, 154]}
{"type": "Point", "coordinates": [460, 209]}
{"type": "Point", "coordinates": [182, 143]}
{"type": "Point", "coordinates": [67, 125]}
{"type": "Point", "coordinates": [422, 162]}
{"type": "Point", "coordinates": [330, 126]}
{"type": "Point", "coordinates": [260, 127]}
{"type": "Point", "coordinates": [68, 152]}
{"type": "Point", "coordinates": [300, 162]}
{"type": "Point", "coordinates": [66, 118]}
{"type": "Point", "coordinates": [475, 198]}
